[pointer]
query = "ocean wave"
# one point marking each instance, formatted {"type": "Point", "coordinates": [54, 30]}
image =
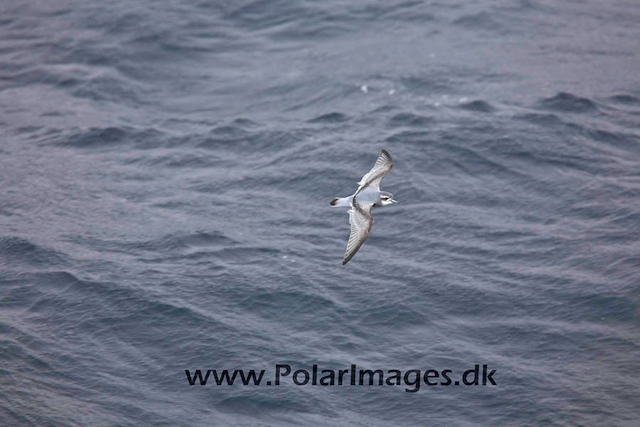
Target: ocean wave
{"type": "Point", "coordinates": [479, 106]}
{"type": "Point", "coordinates": [567, 102]}
{"type": "Point", "coordinates": [15, 251]}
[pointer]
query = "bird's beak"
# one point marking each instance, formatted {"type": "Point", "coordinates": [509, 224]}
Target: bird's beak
{"type": "Point", "coordinates": [394, 201]}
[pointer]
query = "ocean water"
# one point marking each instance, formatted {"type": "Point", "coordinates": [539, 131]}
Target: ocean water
{"type": "Point", "coordinates": [165, 173]}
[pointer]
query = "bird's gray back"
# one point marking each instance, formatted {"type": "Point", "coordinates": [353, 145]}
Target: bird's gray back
{"type": "Point", "coordinates": [368, 196]}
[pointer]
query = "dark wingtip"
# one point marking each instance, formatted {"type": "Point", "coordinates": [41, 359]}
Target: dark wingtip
{"type": "Point", "coordinates": [333, 202]}
{"type": "Point", "coordinates": [386, 153]}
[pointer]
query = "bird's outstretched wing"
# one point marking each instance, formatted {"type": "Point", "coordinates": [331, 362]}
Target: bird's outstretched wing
{"type": "Point", "coordinates": [383, 166]}
{"type": "Point", "coordinates": [361, 221]}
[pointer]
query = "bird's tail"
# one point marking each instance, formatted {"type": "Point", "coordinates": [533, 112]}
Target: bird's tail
{"type": "Point", "coordinates": [342, 201]}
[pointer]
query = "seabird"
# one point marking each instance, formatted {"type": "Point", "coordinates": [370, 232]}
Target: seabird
{"type": "Point", "coordinates": [363, 200]}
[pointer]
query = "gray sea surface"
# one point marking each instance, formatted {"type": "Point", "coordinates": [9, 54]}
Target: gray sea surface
{"type": "Point", "coordinates": [166, 169]}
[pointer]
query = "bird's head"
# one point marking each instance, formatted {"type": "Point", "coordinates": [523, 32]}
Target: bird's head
{"type": "Point", "coordinates": [386, 198]}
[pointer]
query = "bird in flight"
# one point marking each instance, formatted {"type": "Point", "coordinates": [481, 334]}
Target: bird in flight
{"type": "Point", "coordinates": [363, 200]}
